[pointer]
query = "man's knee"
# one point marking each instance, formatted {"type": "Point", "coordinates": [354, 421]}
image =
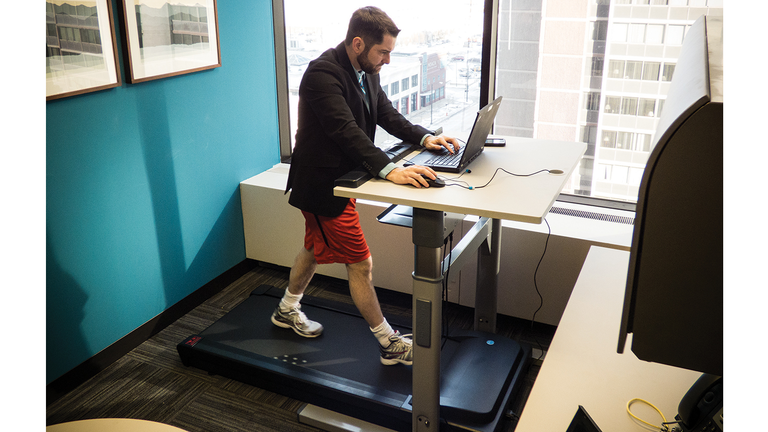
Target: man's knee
{"type": "Point", "coordinates": [363, 267]}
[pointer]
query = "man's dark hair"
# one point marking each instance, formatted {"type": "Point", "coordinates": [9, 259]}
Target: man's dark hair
{"type": "Point", "coordinates": [371, 24]}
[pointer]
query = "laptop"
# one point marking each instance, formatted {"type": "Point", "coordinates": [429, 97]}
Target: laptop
{"type": "Point", "coordinates": [445, 161]}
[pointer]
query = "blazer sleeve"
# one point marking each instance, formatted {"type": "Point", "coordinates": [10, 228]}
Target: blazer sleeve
{"type": "Point", "coordinates": [394, 122]}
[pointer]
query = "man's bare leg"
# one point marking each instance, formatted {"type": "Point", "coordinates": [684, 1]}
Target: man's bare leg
{"type": "Point", "coordinates": [363, 293]}
{"type": "Point", "coordinates": [303, 269]}
{"type": "Point", "coordinates": [288, 313]}
{"type": "Point", "coordinates": [394, 347]}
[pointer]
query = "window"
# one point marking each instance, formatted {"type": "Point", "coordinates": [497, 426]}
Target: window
{"type": "Point", "coordinates": [432, 65]}
{"type": "Point", "coordinates": [616, 69]}
{"type": "Point", "coordinates": [618, 32]}
{"type": "Point", "coordinates": [619, 174]}
{"type": "Point", "coordinates": [309, 27]}
{"type": "Point", "coordinates": [654, 34]}
{"type": "Point", "coordinates": [633, 69]}
{"type": "Point", "coordinates": [647, 107]}
{"type": "Point", "coordinates": [589, 134]}
{"type": "Point", "coordinates": [651, 71]}
{"type": "Point", "coordinates": [636, 33]}
{"type": "Point", "coordinates": [629, 106]}
{"type": "Point", "coordinates": [599, 30]}
{"type": "Point", "coordinates": [395, 88]}
{"type": "Point", "coordinates": [669, 69]}
{"type": "Point", "coordinates": [603, 172]}
{"type": "Point", "coordinates": [624, 140]}
{"type": "Point", "coordinates": [597, 67]}
{"type": "Point", "coordinates": [642, 142]}
{"type": "Point", "coordinates": [612, 104]}
{"type": "Point", "coordinates": [592, 101]}
{"type": "Point", "coordinates": [675, 34]}
{"type": "Point", "coordinates": [609, 139]}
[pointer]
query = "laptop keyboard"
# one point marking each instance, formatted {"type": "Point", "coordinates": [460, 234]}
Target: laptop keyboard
{"type": "Point", "coordinates": [446, 159]}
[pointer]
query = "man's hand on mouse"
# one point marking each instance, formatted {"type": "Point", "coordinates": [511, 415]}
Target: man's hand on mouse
{"type": "Point", "coordinates": [411, 175]}
{"type": "Point", "coordinates": [436, 142]}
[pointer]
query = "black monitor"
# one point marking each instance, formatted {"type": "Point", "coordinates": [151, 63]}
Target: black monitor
{"type": "Point", "coordinates": [673, 304]}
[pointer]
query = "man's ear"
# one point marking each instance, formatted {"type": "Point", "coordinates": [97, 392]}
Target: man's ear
{"type": "Point", "coordinates": [358, 45]}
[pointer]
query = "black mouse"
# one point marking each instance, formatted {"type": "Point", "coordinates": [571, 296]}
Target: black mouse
{"type": "Point", "coordinates": [433, 183]}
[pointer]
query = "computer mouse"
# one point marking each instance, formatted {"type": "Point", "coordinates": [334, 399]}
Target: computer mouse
{"type": "Point", "coordinates": [437, 183]}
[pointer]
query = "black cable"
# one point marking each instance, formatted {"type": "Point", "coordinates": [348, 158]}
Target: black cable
{"type": "Point", "coordinates": [445, 286]}
{"type": "Point", "coordinates": [494, 176]}
{"type": "Point", "coordinates": [536, 286]}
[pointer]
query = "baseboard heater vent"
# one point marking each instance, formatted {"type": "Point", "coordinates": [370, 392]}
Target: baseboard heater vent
{"type": "Point", "coordinates": [593, 215]}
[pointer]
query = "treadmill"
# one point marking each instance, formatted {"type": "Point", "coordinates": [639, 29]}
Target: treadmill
{"type": "Point", "coordinates": [479, 372]}
{"type": "Point", "coordinates": [341, 372]}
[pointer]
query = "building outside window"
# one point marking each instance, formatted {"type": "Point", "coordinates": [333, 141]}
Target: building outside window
{"type": "Point", "coordinates": [638, 43]}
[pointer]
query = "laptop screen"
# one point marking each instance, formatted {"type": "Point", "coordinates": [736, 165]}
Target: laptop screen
{"type": "Point", "coordinates": [474, 146]}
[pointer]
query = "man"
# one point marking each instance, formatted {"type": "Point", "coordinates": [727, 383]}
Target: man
{"type": "Point", "coordinates": [341, 102]}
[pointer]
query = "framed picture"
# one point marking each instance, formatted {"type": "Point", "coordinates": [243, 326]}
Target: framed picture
{"type": "Point", "coordinates": [80, 48]}
{"type": "Point", "coordinates": [165, 38]}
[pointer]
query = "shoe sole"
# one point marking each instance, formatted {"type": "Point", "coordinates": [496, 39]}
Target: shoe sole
{"type": "Point", "coordinates": [288, 326]}
{"type": "Point", "coordinates": [390, 362]}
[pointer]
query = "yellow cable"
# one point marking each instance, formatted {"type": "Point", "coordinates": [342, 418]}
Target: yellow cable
{"type": "Point", "coordinates": [664, 419]}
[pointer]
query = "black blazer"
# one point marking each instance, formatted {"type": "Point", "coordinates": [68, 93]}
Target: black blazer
{"type": "Point", "coordinates": [336, 131]}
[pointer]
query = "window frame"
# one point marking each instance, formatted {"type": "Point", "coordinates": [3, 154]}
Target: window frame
{"type": "Point", "coordinates": [487, 89]}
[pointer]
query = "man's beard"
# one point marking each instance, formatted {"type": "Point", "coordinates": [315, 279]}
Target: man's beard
{"type": "Point", "coordinates": [366, 65]}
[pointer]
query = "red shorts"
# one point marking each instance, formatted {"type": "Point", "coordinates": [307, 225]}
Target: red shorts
{"type": "Point", "coordinates": [336, 240]}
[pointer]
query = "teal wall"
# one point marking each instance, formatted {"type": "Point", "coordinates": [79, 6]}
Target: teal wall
{"type": "Point", "coordinates": [142, 198]}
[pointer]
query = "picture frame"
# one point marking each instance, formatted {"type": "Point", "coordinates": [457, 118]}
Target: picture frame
{"type": "Point", "coordinates": [81, 48]}
{"type": "Point", "coordinates": [165, 38]}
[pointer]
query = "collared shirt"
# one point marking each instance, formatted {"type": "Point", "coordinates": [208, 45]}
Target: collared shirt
{"type": "Point", "coordinates": [390, 166]}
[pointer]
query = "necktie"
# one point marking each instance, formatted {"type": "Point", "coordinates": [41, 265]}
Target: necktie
{"type": "Point", "coordinates": [362, 86]}
{"type": "Point", "coordinates": [365, 93]}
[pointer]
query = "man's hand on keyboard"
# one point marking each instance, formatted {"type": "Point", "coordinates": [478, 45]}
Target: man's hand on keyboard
{"type": "Point", "coordinates": [434, 143]}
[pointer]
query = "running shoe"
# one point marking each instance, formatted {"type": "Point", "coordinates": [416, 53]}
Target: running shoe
{"type": "Point", "coordinates": [400, 350]}
{"type": "Point", "coordinates": [296, 320]}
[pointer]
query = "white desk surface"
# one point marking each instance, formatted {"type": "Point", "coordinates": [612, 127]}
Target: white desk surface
{"type": "Point", "coordinates": [582, 366]}
{"type": "Point", "coordinates": [524, 199]}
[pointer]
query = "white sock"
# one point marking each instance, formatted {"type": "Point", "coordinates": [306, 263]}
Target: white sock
{"type": "Point", "coordinates": [290, 301]}
{"type": "Point", "coordinates": [382, 332]}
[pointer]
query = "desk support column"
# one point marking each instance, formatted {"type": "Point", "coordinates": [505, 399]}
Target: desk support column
{"type": "Point", "coordinates": [488, 265]}
{"type": "Point", "coordinates": [428, 235]}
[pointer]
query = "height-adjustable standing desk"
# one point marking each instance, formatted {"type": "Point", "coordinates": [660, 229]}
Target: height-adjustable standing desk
{"type": "Point", "coordinates": [523, 199]}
